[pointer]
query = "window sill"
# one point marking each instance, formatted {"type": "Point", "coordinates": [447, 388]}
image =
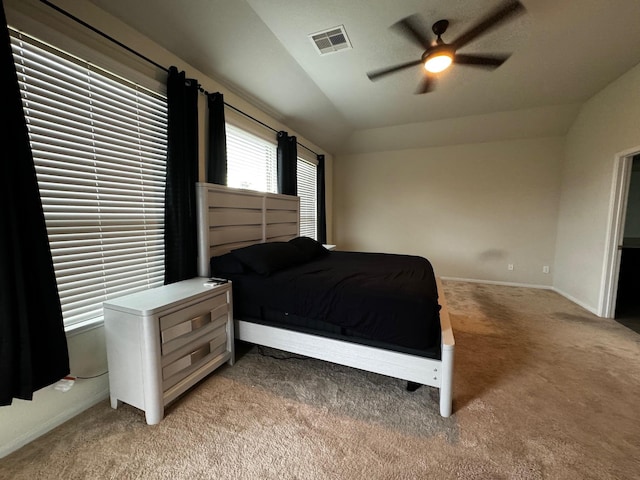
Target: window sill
{"type": "Point", "coordinates": [82, 327]}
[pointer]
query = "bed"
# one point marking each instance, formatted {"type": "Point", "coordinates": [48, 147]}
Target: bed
{"type": "Point", "coordinates": [340, 299]}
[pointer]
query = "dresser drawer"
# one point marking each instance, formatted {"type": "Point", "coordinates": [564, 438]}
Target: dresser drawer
{"type": "Point", "coordinates": [189, 330]}
{"type": "Point", "coordinates": [190, 312]}
{"type": "Point", "coordinates": [191, 318]}
{"type": "Point", "coordinates": [181, 363]}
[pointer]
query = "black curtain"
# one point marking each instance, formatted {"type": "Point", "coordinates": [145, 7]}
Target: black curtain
{"type": "Point", "coordinates": [180, 236]}
{"type": "Point", "coordinates": [217, 157]}
{"type": "Point", "coordinates": [33, 345]}
{"type": "Point", "coordinates": [287, 164]}
{"type": "Point", "coordinates": [321, 207]}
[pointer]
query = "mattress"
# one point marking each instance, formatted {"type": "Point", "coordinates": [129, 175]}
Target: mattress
{"type": "Point", "coordinates": [384, 300]}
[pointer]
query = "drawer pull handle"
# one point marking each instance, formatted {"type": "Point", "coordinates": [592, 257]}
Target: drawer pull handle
{"type": "Point", "coordinates": [186, 361]}
{"type": "Point", "coordinates": [200, 353]}
{"type": "Point", "coordinates": [200, 321]}
{"type": "Point", "coordinates": [186, 327]}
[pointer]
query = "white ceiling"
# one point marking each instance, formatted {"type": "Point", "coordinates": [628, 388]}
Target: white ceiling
{"type": "Point", "coordinates": [563, 52]}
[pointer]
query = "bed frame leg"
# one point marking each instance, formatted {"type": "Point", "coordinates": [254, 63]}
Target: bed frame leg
{"type": "Point", "coordinates": [446, 385]}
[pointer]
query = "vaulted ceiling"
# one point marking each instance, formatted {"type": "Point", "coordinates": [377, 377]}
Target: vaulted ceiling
{"type": "Point", "coordinates": [563, 52]}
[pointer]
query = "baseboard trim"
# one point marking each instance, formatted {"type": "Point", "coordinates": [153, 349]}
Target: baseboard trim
{"type": "Point", "coordinates": [495, 282]}
{"type": "Point", "coordinates": [54, 422]}
{"type": "Point", "coordinates": [578, 302]}
{"type": "Point", "coordinates": [529, 285]}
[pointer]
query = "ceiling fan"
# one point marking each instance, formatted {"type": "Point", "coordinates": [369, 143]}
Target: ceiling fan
{"type": "Point", "coordinates": [438, 55]}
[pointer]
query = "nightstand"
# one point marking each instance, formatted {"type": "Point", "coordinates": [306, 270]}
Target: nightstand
{"type": "Point", "coordinates": [162, 341]}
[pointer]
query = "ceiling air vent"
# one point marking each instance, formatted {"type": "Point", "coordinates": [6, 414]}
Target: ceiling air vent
{"type": "Point", "coordinates": [331, 40]}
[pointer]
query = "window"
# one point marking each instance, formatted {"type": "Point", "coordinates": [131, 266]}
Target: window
{"type": "Point", "coordinates": [252, 164]}
{"type": "Point", "coordinates": [251, 161]}
{"type": "Point", "coordinates": [99, 146]}
{"type": "Point", "coordinates": [308, 193]}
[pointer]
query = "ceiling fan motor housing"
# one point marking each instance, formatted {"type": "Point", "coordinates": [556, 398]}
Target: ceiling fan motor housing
{"type": "Point", "coordinates": [440, 27]}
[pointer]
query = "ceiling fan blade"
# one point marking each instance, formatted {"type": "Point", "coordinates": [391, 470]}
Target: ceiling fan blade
{"type": "Point", "coordinates": [412, 29]}
{"type": "Point", "coordinates": [501, 14]}
{"type": "Point", "coordinates": [375, 75]}
{"type": "Point", "coordinates": [487, 61]}
{"type": "Point", "coordinates": [426, 85]}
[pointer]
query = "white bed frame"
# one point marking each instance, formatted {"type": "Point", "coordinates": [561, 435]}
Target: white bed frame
{"type": "Point", "coordinates": [231, 218]}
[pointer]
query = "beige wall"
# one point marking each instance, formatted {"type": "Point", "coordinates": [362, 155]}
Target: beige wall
{"type": "Point", "coordinates": [607, 125]}
{"type": "Point", "coordinates": [471, 209]}
{"type": "Point", "coordinates": [24, 421]}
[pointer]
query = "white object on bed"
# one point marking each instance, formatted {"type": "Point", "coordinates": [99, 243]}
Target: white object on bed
{"type": "Point", "coordinates": [230, 218]}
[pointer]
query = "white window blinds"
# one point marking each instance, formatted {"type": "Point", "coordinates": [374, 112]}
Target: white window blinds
{"type": "Point", "coordinates": [99, 147]}
{"type": "Point", "coordinates": [251, 161]}
{"type": "Point", "coordinates": [308, 193]}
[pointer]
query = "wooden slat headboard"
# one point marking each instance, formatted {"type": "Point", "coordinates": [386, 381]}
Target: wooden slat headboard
{"type": "Point", "coordinates": [231, 218]}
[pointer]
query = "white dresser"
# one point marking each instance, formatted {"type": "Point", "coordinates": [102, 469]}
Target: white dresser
{"type": "Point", "coordinates": [162, 341]}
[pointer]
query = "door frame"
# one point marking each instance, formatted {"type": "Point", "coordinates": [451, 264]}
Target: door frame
{"type": "Point", "coordinates": [615, 231]}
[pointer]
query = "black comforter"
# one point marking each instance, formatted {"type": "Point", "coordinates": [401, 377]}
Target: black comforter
{"type": "Point", "coordinates": [381, 297]}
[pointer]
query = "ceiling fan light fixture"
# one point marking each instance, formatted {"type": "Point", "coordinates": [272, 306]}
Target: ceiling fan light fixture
{"type": "Point", "coordinates": [438, 59]}
{"type": "Point", "coordinates": [437, 55]}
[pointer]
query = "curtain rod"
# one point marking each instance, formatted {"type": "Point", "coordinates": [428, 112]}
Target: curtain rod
{"type": "Point", "coordinates": [147, 59]}
{"type": "Point", "coordinates": [101, 33]}
{"type": "Point", "coordinates": [245, 114]}
{"type": "Point", "coordinates": [264, 124]}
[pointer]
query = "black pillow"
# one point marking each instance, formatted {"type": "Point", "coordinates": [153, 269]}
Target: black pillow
{"type": "Point", "coordinates": [227, 263]}
{"type": "Point", "coordinates": [266, 258]}
{"type": "Point", "coordinates": [309, 247]}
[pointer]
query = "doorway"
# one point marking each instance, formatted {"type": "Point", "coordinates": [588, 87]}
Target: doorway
{"type": "Point", "coordinates": [615, 238]}
{"type": "Point", "coordinates": [627, 310]}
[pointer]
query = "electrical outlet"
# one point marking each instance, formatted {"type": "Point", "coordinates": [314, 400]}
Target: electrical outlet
{"type": "Point", "coordinates": [510, 266]}
{"type": "Point", "coordinates": [545, 269]}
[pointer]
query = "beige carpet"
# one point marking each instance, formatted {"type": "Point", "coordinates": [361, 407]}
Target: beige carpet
{"type": "Point", "coordinates": [543, 389]}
